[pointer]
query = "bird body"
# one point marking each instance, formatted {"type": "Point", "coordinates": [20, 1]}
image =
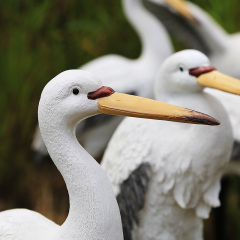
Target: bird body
{"type": "Point", "coordinates": [67, 99]}
{"type": "Point", "coordinates": [133, 76]}
{"type": "Point", "coordinates": [185, 173]}
{"type": "Point", "coordinates": [173, 170]}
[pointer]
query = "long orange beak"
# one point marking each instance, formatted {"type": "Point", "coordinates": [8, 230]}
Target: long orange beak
{"type": "Point", "coordinates": [115, 103]}
{"type": "Point", "coordinates": [209, 77]}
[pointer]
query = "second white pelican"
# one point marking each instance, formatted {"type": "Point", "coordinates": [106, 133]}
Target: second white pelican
{"type": "Point", "coordinates": [166, 176]}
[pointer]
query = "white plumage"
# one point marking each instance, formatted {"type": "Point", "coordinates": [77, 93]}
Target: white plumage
{"type": "Point", "coordinates": [124, 75]}
{"type": "Point", "coordinates": [181, 164]}
{"type": "Point", "coordinates": [67, 99]}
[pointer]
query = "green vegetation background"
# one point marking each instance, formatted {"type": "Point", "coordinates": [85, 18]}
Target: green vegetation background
{"type": "Point", "coordinates": [38, 40]}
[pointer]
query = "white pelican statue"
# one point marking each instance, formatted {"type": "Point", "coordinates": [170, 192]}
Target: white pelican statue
{"type": "Point", "coordinates": [201, 32]}
{"type": "Point", "coordinates": [67, 99]}
{"type": "Point", "coordinates": [166, 176]}
{"type": "Point", "coordinates": [134, 76]}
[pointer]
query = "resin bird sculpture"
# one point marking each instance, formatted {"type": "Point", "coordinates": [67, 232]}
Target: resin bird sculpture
{"type": "Point", "coordinates": [203, 33]}
{"type": "Point", "coordinates": [133, 76]}
{"type": "Point", "coordinates": [166, 176]}
{"type": "Point", "coordinates": [67, 99]}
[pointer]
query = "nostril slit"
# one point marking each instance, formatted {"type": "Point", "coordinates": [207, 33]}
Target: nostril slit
{"type": "Point", "coordinates": [101, 92]}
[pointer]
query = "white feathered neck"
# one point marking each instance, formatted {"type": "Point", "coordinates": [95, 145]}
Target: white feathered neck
{"type": "Point", "coordinates": [93, 210]}
{"type": "Point", "coordinates": [151, 32]}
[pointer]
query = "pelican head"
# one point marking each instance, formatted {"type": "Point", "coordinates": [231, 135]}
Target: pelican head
{"type": "Point", "coordinates": [189, 71]}
{"type": "Point", "coordinates": [65, 97]}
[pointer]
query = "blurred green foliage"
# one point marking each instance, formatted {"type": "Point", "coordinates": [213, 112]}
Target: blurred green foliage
{"type": "Point", "coordinates": [225, 12]}
{"type": "Point", "coordinates": [38, 40]}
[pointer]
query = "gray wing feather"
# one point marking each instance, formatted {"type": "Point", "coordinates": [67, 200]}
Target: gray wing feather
{"type": "Point", "coordinates": [236, 151]}
{"type": "Point", "coordinates": [132, 197]}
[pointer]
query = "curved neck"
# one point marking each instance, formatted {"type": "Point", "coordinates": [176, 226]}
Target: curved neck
{"type": "Point", "coordinates": [153, 36]}
{"type": "Point", "coordinates": [93, 210]}
{"type": "Point", "coordinates": [215, 37]}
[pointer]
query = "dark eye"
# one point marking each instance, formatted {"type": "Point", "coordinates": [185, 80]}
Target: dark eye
{"type": "Point", "coordinates": [75, 91]}
{"type": "Point", "coordinates": [181, 69]}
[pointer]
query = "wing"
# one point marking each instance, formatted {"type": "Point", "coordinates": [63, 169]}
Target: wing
{"type": "Point", "coordinates": [181, 170]}
{"type": "Point", "coordinates": [191, 188]}
{"type": "Point", "coordinates": [132, 197]}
